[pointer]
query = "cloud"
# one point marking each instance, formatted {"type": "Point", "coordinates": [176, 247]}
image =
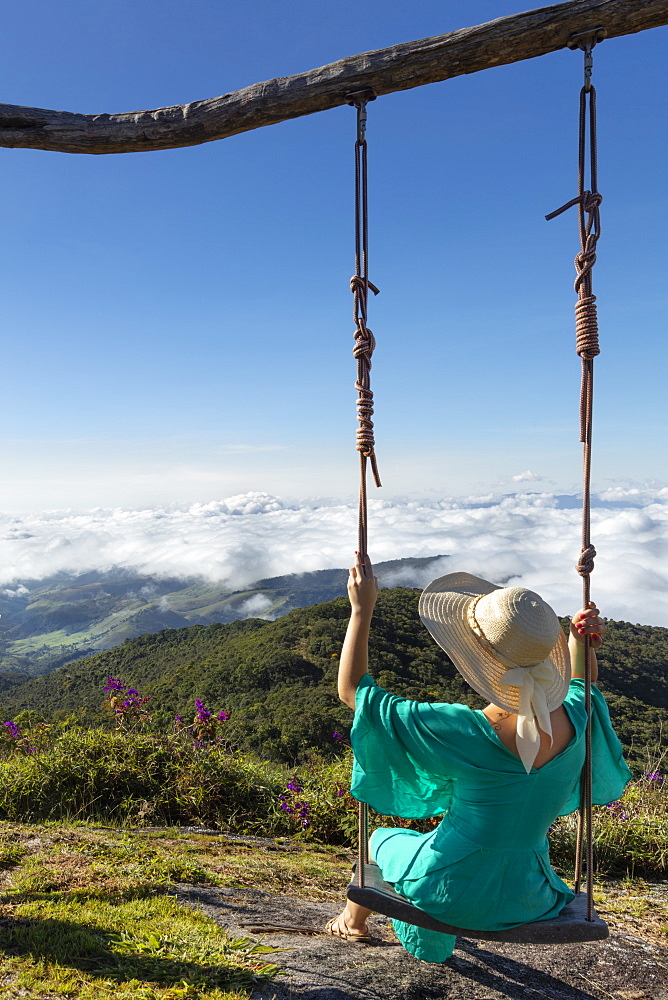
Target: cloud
{"type": "Point", "coordinates": [526, 477]}
{"type": "Point", "coordinates": [254, 606]}
{"type": "Point", "coordinates": [532, 539]}
{"type": "Point", "coordinates": [409, 576]}
{"type": "Point", "coordinates": [19, 591]}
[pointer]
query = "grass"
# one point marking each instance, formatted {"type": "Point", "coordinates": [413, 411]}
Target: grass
{"type": "Point", "coordinates": [87, 914]}
{"type": "Point", "coordinates": [66, 637]}
{"type": "Point", "coordinates": [313, 871]}
{"type": "Point", "coordinates": [634, 906]}
{"type": "Point", "coordinates": [50, 640]}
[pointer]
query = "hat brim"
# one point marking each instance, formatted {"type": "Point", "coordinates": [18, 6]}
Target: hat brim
{"type": "Point", "coordinates": [443, 606]}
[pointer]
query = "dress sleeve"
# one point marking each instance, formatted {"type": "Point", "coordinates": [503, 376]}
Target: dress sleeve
{"type": "Point", "coordinates": [610, 774]}
{"type": "Point", "coordinates": [406, 752]}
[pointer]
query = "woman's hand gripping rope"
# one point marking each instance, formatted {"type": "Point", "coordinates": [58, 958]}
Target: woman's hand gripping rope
{"type": "Point", "coordinates": [362, 586]}
{"type": "Point", "coordinates": [586, 622]}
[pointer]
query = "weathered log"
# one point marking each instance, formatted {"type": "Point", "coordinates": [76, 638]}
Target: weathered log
{"type": "Point", "coordinates": [400, 67]}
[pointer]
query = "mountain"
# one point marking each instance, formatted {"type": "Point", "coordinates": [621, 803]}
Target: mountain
{"type": "Point", "coordinates": [278, 678]}
{"type": "Point", "coordinates": [47, 623]}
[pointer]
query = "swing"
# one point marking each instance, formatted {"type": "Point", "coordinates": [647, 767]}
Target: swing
{"type": "Point", "coordinates": [578, 921]}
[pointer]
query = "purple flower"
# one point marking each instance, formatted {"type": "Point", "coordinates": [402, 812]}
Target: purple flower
{"type": "Point", "coordinates": [338, 736]}
{"type": "Point", "coordinates": [177, 718]}
{"type": "Point", "coordinates": [203, 714]}
{"type": "Point", "coordinates": [655, 776]}
{"type": "Point", "coordinates": [223, 716]}
{"type": "Point", "coordinates": [340, 792]}
{"type": "Point", "coordinates": [113, 684]}
{"type": "Point", "coordinates": [13, 730]}
{"type": "Point", "coordinates": [294, 786]}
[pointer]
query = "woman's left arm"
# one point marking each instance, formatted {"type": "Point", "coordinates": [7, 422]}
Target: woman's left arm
{"type": "Point", "coordinates": [353, 665]}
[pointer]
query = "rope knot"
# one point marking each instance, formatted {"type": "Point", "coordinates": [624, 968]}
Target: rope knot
{"type": "Point", "coordinates": [359, 285]}
{"type": "Point", "coordinates": [366, 443]}
{"type": "Point", "coordinates": [584, 263]}
{"type": "Point", "coordinates": [591, 200]}
{"type": "Point", "coordinates": [586, 562]}
{"type": "Point", "coordinates": [365, 343]}
{"type": "Point", "coordinates": [364, 346]}
{"type": "Point", "coordinates": [585, 260]}
{"type": "Point", "coordinates": [586, 328]}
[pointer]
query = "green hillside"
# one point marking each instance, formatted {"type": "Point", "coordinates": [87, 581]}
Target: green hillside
{"type": "Point", "coordinates": [278, 678]}
{"type": "Point", "coordinates": [46, 623]}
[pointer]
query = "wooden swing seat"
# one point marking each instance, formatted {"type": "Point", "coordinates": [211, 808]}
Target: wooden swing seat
{"type": "Point", "coordinates": [569, 927]}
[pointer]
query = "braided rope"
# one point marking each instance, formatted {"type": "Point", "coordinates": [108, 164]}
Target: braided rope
{"type": "Point", "coordinates": [587, 347]}
{"type": "Point", "coordinates": [365, 343]}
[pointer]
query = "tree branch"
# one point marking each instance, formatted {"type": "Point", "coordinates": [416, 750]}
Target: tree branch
{"type": "Point", "coordinates": [400, 67]}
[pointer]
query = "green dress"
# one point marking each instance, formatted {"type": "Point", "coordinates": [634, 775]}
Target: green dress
{"type": "Point", "coordinates": [487, 864]}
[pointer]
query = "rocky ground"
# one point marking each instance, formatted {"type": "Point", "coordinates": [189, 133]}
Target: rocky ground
{"type": "Point", "coordinates": [318, 967]}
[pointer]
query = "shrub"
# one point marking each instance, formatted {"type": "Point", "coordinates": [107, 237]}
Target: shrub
{"type": "Point", "coordinates": [138, 778]}
{"type": "Point", "coordinates": [630, 836]}
{"type": "Point", "coordinates": [122, 776]}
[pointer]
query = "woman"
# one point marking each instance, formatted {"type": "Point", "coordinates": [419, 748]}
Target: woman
{"type": "Point", "coordinates": [501, 775]}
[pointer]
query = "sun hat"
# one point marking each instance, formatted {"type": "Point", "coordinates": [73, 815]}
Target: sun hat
{"type": "Point", "coordinates": [508, 645]}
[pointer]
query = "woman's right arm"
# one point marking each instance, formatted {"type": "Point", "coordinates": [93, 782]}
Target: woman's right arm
{"type": "Point", "coordinates": [585, 622]}
{"type": "Point", "coordinates": [353, 664]}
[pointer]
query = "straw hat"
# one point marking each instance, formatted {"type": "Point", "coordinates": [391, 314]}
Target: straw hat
{"type": "Point", "coordinates": [508, 645]}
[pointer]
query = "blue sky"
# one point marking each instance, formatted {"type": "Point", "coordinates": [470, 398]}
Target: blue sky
{"type": "Point", "coordinates": [177, 325]}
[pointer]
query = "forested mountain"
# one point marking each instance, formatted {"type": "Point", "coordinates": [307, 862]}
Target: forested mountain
{"type": "Point", "coordinates": [46, 623]}
{"type": "Point", "coordinates": [278, 678]}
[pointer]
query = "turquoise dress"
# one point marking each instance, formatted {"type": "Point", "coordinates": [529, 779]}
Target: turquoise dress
{"type": "Point", "coordinates": [487, 864]}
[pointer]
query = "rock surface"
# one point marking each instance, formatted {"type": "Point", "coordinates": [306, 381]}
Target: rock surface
{"type": "Point", "coordinates": [318, 967]}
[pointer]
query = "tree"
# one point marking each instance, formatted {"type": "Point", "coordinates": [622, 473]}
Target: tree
{"type": "Point", "coordinates": [400, 67]}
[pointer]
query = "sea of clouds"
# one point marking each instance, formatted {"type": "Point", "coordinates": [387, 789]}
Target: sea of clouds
{"type": "Point", "coordinates": [527, 539]}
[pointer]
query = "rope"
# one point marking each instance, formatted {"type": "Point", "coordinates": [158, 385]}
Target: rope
{"type": "Point", "coordinates": [365, 343]}
{"type": "Point", "coordinates": [586, 345]}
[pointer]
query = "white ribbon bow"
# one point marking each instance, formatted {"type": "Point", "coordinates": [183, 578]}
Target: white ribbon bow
{"type": "Point", "coordinates": [532, 683]}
